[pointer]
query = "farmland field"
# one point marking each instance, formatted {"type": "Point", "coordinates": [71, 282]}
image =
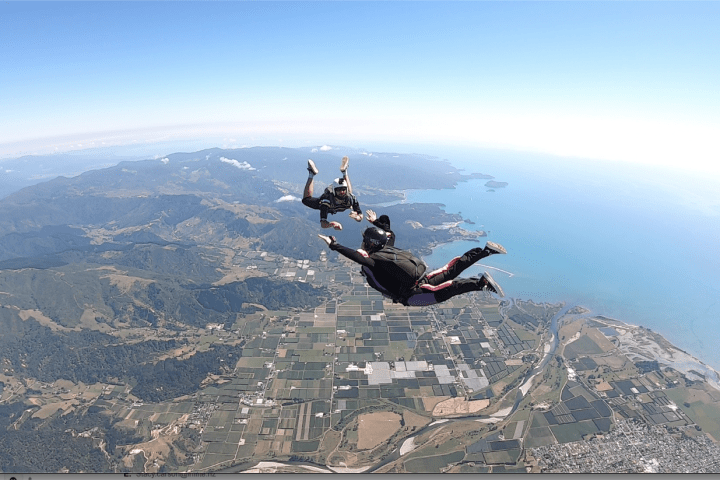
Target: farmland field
{"type": "Point", "coordinates": [433, 464]}
{"type": "Point", "coordinates": [573, 432]}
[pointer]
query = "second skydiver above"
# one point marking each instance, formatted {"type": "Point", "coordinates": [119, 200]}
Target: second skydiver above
{"type": "Point", "coordinates": [336, 198]}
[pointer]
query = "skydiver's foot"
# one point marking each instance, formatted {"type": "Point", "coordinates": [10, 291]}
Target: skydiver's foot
{"type": "Point", "coordinates": [490, 284]}
{"type": "Point", "coordinates": [344, 164]}
{"type": "Point", "coordinates": [492, 248]}
{"type": "Point", "coordinates": [312, 168]}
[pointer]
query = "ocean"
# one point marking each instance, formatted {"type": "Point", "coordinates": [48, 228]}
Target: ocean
{"type": "Point", "coordinates": [637, 244]}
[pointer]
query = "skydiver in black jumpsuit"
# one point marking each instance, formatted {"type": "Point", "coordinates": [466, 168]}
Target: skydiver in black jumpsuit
{"type": "Point", "coordinates": [428, 288]}
{"type": "Point", "coordinates": [336, 198]}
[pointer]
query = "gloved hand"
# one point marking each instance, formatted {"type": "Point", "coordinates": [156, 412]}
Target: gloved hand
{"type": "Point", "coordinates": [370, 215]}
{"type": "Point", "coordinates": [336, 225]}
{"type": "Point", "coordinates": [356, 216]}
{"type": "Point", "coordinates": [328, 239]}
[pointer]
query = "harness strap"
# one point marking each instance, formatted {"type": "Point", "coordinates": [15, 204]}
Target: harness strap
{"type": "Point", "coordinates": [435, 288]}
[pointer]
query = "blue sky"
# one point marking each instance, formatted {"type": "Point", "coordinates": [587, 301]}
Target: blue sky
{"type": "Point", "coordinates": [630, 81]}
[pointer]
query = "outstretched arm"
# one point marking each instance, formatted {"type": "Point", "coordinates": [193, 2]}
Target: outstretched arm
{"type": "Point", "coordinates": [357, 256]}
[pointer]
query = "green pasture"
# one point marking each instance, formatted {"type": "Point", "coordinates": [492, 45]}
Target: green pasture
{"type": "Point", "coordinates": [222, 448]}
{"type": "Point", "coordinates": [707, 415]}
{"type": "Point", "coordinates": [582, 346]}
{"type": "Point", "coordinates": [573, 432]}
{"type": "Point", "coordinates": [538, 420]}
{"type": "Point", "coordinates": [539, 437]}
{"type": "Point", "coordinates": [504, 457]}
{"type": "Point", "coordinates": [466, 468]}
{"type": "Point", "coordinates": [305, 446]}
{"type": "Point", "coordinates": [213, 460]}
{"type": "Point", "coordinates": [433, 464]}
{"type": "Point", "coordinates": [246, 450]}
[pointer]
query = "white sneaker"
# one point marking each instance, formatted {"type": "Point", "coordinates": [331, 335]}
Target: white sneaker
{"type": "Point", "coordinates": [312, 168]}
{"type": "Point", "coordinates": [492, 284]}
{"type": "Point", "coordinates": [493, 247]}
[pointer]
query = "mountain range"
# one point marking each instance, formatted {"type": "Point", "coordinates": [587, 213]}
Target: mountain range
{"type": "Point", "coordinates": [104, 276]}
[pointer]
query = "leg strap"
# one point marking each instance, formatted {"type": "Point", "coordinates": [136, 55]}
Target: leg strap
{"type": "Point", "coordinates": [435, 288]}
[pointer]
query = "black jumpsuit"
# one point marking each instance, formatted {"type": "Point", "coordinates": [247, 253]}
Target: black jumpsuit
{"type": "Point", "coordinates": [329, 203]}
{"type": "Point", "coordinates": [432, 288]}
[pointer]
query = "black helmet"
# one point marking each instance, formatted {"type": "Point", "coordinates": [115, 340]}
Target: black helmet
{"type": "Point", "coordinates": [374, 238]}
{"type": "Point", "coordinates": [384, 222]}
{"type": "Point", "coordinates": [339, 186]}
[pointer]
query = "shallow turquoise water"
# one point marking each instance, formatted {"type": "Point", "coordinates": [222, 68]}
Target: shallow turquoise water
{"type": "Point", "coordinates": [635, 244]}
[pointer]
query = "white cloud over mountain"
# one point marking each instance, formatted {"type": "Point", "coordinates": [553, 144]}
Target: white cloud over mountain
{"type": "Point", "coordinates": [241, 165]}
{"type": "Point", "coordinates": [287, 198]}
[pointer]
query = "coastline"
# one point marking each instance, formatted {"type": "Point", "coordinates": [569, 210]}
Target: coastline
{"type": "Point", "coordinates": [642, 344]}
{"type": "Point", "coordinates": [668, 355]}
{"type": "Point", "coordinates": [549, 238]}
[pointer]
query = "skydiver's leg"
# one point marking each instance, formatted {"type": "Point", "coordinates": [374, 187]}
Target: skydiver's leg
{"type": "Point", "coordinates": [308, 191]}
{"type": "Point", "coordinates": [311, 202]}
{"type": "Point", "coordinates": [456, 266]}
{"type": "Point", "coordinates": [312, 171]}
{"type": "Point", "coordinates": [456, 287]}
{"type": "Point", "coordinates": [344, 169]}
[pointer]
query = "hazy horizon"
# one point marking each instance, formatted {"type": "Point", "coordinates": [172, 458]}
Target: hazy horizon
{"type": "Point", "coordinates": [632, 82]}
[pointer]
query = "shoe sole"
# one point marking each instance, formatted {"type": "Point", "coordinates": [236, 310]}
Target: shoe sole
{"type": "Point", "coordinates": [493, 284]}
{"type": "Point", "coordinates": [344, 164]}
{"type": "Point", "coordinates": [495, 247]}
{"type": "Point", "coordinates": [312, 168]}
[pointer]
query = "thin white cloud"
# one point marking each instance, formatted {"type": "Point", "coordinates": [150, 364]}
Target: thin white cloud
{"type": "Point", "coordinates": [314, 150]}
{"type": "Point", "coordinates": [325, 148]}
{"type": "Point", "coordinates": [287, 198]}
{"type": "Point", "coordinates": [165, 160]}
{"type": "Point", "coordinates": [241, 165]}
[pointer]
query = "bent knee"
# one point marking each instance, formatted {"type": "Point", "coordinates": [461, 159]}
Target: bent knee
{"type": "Point", "coordinates": [311, 202]}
